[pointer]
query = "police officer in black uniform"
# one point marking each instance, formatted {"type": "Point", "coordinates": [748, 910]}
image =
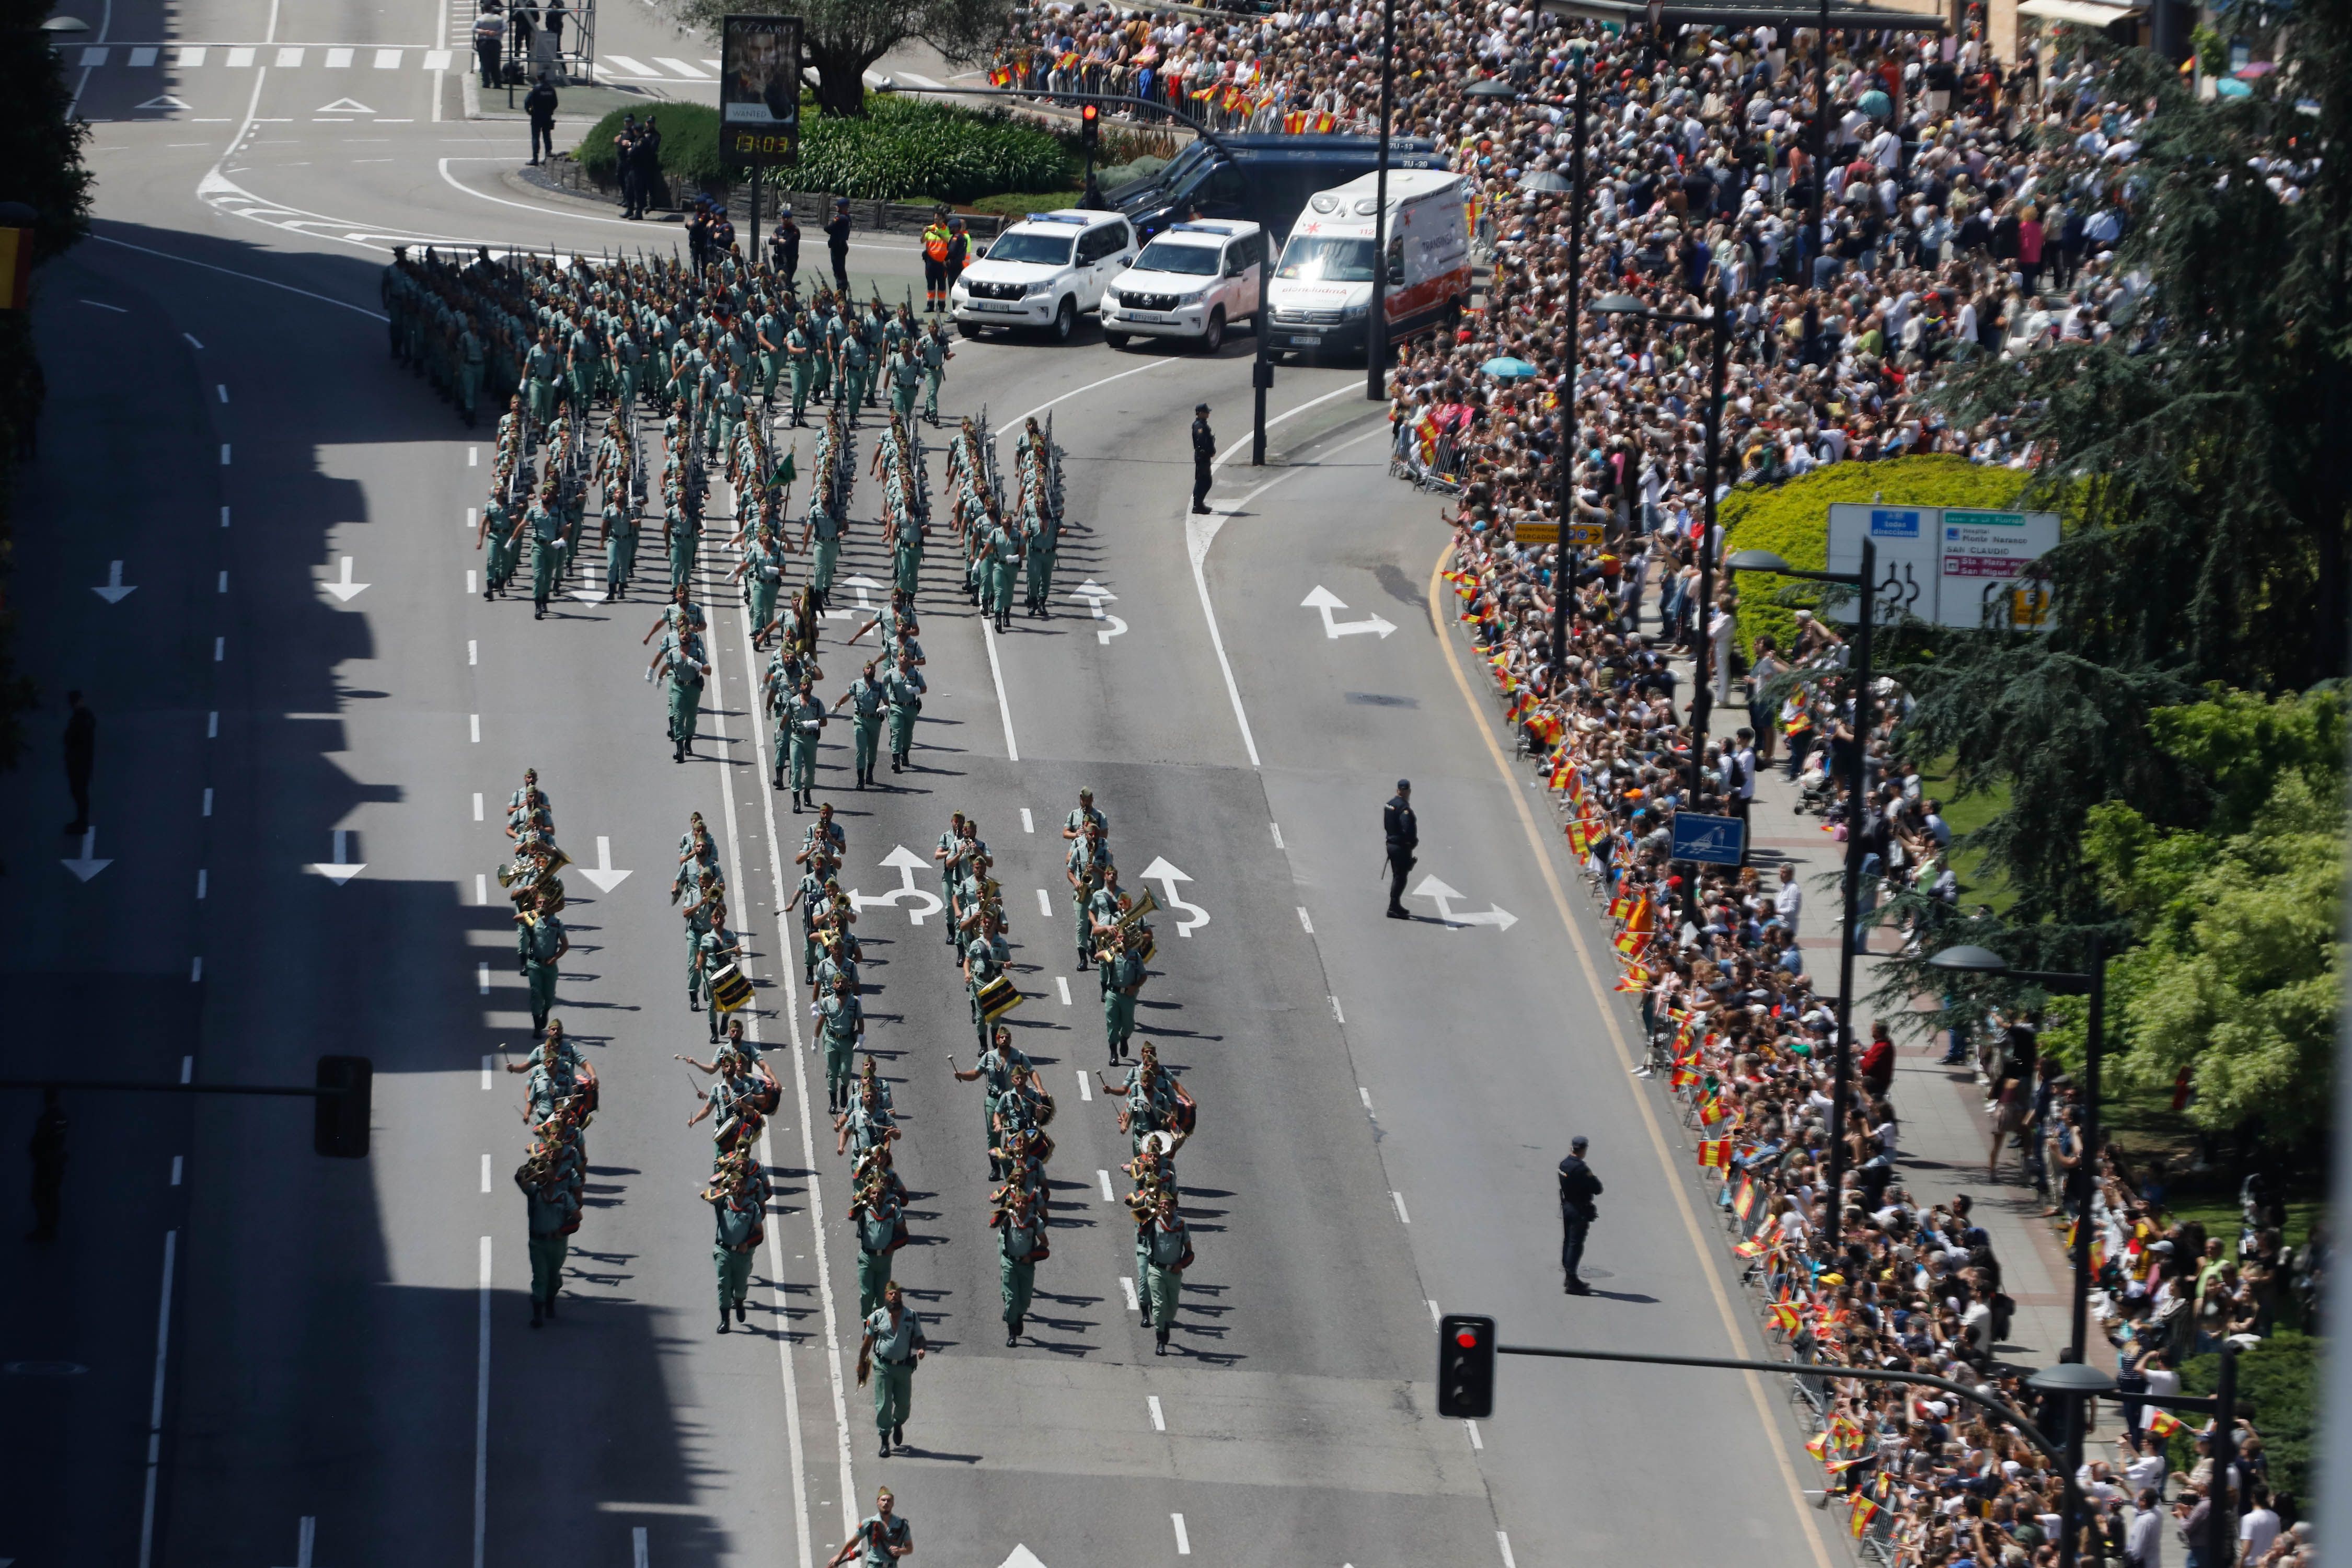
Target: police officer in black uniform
{"type": "Point", "coordinates": [1204, 448]}
{"type": "Point", "coordinates": [1403, 834]}
{"type": "Point", "coordinates": [1577, 1187]}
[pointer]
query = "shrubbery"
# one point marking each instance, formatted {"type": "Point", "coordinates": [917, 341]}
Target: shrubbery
{"type": "Point", "coordinates": [904, 150]}
{"type": "Point", "coordinates": [2280, 1380]}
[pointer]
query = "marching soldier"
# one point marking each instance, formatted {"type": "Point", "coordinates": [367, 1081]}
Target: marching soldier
{"type": "Point", "coordinates": [882, 1537]}
{"type": "Point", "coordinates": [1169, 1245]}
{"type": "Point", "coordinates": [803, 720]}
{"type": "Point", "coordinates": [544, 944]}
{"type": "Point", "coordinates": [714, 950]}
{"type": "Point", "coordinates": [682, 657]}
{"type": "Point", "coordinates": [1089, 855]}
{"type": "Point", "coordinates": [545, 521]}
{"type": "Point", "coordinates": [1074, 827]}
{"type": "Point", "coordinates": [552, 1211]}
{"type": "Point", "coordinates": [739, 1198]}
{"type": "Point", "coordinates": [705, 895]}
{"type": "Point", "coordinates": [822, 525]}
{"type": "Point", "coordinates": [1021, 1243]}
{"type": "Point", "coordinates": [762, 570]}
{"type": "Point", "coordinates": [867, 698]}
{"type": "Point", "coordinates": [995, 1071]}
{"type": "Point", "coordinates": [902, 692]}
{"type": "Point", "coordinates": [1122, 981]}
{"type": "Point", "coordinates": [881, 1231]}
{"type": "Point", "coordinates": [893, 1345]}
{"type": "Point", "coordinates": [906, 375]}
{"type": "Point", "coordinates": [980, 965]}
{"type": "Point", "coordinates": [821, 840]}
{"type": "Point", "coordinates": [840, 1026]}
{"type": "Point", "coordinates": [933, 349]}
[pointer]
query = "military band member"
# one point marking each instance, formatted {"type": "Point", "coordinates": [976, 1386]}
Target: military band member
{"type": "Point", "coordinates": [715, 949]}
{"type": "Point", "coordinates": [893, 1345]}
{"type": "Point", "coordinates": [1021, 1242]}
{"type": "Point", "coordinates": [552, 1211]}
{"type": "Point", "coordinates": [544, 944]}
{"type": "Point", "coordinates": [841, 1026]}
{"type": "Point", "coordinates": [737, 1196]}
{"type": "Point", "coordinates": [882, 1537]}
{"type": "Point", "coordinates": [1169, 1245]}
{"type": "Point", "coordinates": [881, 1231]}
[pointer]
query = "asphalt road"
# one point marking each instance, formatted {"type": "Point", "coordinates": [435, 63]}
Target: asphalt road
{"type": "Point", "coordinates": [348, 1344]}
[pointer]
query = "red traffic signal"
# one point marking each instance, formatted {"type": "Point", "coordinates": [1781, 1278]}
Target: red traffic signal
{"type": "Point", "coordinates": [1090, 123]}
{"type": "Point", "coordinates": [1465, 1367]}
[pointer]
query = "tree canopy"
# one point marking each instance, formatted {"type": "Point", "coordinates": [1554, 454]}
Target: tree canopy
{"type": "Point", "coordinates": [843, 37]}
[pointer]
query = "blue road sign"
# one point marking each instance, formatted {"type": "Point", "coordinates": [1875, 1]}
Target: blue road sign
{"type": "Point", "coordinates": [1715, 840]}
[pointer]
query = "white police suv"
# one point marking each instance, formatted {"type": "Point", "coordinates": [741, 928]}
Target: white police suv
{"type": "Point", "coordinates": [1194, 281]}
{"type": "Point", "coordinates": [1045, 272]}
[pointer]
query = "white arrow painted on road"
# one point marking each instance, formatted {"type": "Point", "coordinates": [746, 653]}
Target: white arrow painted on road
{"type": "Point", "coordinates": [1324, 600]}
{"type": "Point", "coordinates": [1022, 1558]}
{"type": "Point", "coordinates": [115, 591]}
{"type": "Point", "coordinates": [859, 585]}
{"type": "Point", "coordinates": [344, 589]}
{"type": "Point", "coordinates": [1443, 895]}
{"type": "Point", "coordinates": [592, 596]}
{"type": "Point", "coordinates": [603, 875]}
{"type": "Point", "coordinates": [87, 864]}
{"type": "Point", "coordinates": [906, 863]}
{"type": "Point", "coordinates": [344, 106]}
{"type": "Point", "coordinates": [165, 101]}
{"type": "Point", "coordinates": [1167, 876]}
{"type": "Point", "coordinates": [343, 868]}
{"type": "Point", "coordinates": [1094, 595]}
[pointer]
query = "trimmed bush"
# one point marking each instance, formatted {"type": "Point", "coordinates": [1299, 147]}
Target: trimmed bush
{"type": "Point", "coordinates": [904, 150]}
{"type": "Point", "coordinates": [1016, 205]}
{"type": "Point", "coordinates": [2279, 1379]}
{"type": "Point", "coordinates": [1793, 520]}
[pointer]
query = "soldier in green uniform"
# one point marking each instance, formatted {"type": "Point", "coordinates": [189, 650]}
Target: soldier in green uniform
{"type": "Point", "coordinates": [893, 1344]}
{"type": "Point", "coordinates": [762, 572]}
{"type": "Point", "coordinates": [906, 376]}
{"type": "Point", "coordinates": [995, 1071]}
{"type": "Point", "coordinates": [822, 525]}
{"type": "Point", "coordinates": [1169, 1245]}
{"type": "Point", "coordinates": [1003, 565]}
{"type": "Point", "coordinates": [1044, 550]}
{"type": "Point", "coordinates": [471, 357]}
{"type": "Point", "coordinates": [579, 366]}
{"type": "Point", "coordinates": [800, 363]}
{"type": "Point", "coordinates": [882, 1536]}
{"type": "Point", "coordinates": [768, 331]}
{"type": "Point", "coordinates": [543, 366]}
{"type": "Point", "coordinates": [551, 1209]}
{"type": "Point", "coordinates": [985, 958]}
{"type": "Point", "coordinates": [705, 893]}
{"type": "Point", "coordinates": [727, 411]}
{"type": "Point", "coordinates": [865, 697]}
{"type": "Point", "coordinates": [544, 944]}
{"type": "Point", "coordinates": [841, 1025]}
{"type": "Point", "coordinates": [620, 544]}
{"type": "Point", "coordinates": [1122, 978]}
{"type": "Point", "coordinates": [803, 719]}
{"type": "Point", "coordinates": [856, 362]}
{"type": "Point", "coordinates": [1020, 1241]}
{"type": "Point", "coordinates": [545, 521]}
{"type": "Point", "coordinates": [739, 1199]}
{"type": "Point", "coordinates": [935, 354]}
{"type": "Point", "coordinates": [714, 950]}
{"type": "Point", "coordinates": [500, 530]}
{"type": "Point", "coordinates": [686, 665]}
{"type": "Point", "coordinates": [1087, 856]}
{"type": "Point", "coordinates": [879, 1217]}
{"type": "Point", "coordinates": [902, 692]}
{"type": "Point", "coordinates": [1074, 827]}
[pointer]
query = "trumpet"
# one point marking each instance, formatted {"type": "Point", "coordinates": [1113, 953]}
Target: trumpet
{"type": "Point", "coordinates": [1143, 905]}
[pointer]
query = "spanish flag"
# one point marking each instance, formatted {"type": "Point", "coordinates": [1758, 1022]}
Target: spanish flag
{"type": "Point", "coordinates": [1784, 1318]}
{"type": "Point", "coordinates": [1713, 1152]}
{"type": "Point", "coordinates": [1631, 943]}
{"type": "Point", "coordinates": [1637, 979]}
{"type": "Point", "coordinates": [1864, 1511]}
{"type": "Point", "coordinates": [1745, 1204]}
{"type": "Point", "coordinates": [1068, 62]}
{"type": "Point", "coordinates": [1577, 841]}
{"type": "Point", "coordinates": [1682, 1077]}
{"type": "Point", "coordinates": [1644, 917]}
{"type": "Point", "coordinates": [1000, 77]}
{"type": "Point", "coordinates": [2163, 1423]}
{"type": "Point", "coordinates": [1818, 1445]}
{"type": "Point", "coordinates": [1749, 1250]}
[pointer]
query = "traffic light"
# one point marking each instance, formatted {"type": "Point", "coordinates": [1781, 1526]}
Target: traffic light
{"type": "Point", "coordinates": [341, 1114]}
{"type": "Point", "coordinates": [1465, 1367]}
{"type": "Point", "coordinates": [1090, 125]}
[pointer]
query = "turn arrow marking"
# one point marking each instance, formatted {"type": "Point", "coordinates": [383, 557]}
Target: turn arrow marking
{"type": "Point", "coordinates": [87, 864]}
{"type": "Point", "coordinates": [115, 592]}
{"type": "Point", "coordinates": [1494, 915]}
{"type": "Point", "coordinates": [1167, 876]}
{"type": "Point", "coordinates": [343, 869]}
{"type": "Point", "coordinates": [1324, 600]}
{"type": "Point", "coordinates": [906, 863]}
{"type": "Point", "coordinates": [1094, 595]}
{"type": "Point", "coordinates": [603, 875]}
{"type": "Point", "coordinates": [345, 590]}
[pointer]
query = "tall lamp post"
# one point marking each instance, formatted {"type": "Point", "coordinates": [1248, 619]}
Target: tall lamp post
{"type": "Point", "coordinates": [1546, 181]}
{"type": "Point", "coordinates": [1842, 1058]}
{"type": "Point", "coordinates": [1376, 324]}
{"type": "Point", "coordinates": [2092, 983]}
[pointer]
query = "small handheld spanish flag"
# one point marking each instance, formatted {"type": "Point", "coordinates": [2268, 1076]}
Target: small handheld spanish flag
{"type": "Point", "coordinates": [2162, 1423]}
{"type": "Point", "coordinates": [1785, 1319]}
{"type": "Point", "coordinates": [1713, 1152]}
{"type": "Point", "coordinates": [1864, 1511]}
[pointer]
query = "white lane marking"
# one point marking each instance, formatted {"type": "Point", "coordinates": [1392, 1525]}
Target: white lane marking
{"type": "Point", "coordinates": [776, 864]}
{"type": "Point", "coordinates": [1027, 825]}
{"type": "Point", "coordinates": [223, 516]}
{"type": "Point", "coordinates": [239, 59]}
{"type": "Point", "coordinates": [1045, 903]}
{"type": "Point", "coordinates": [473, 655]}
{"type": "Point", "coordinates": [1336, 1016]}
{"type": "Point", "coordinates": [1127, 1285]}
{"type": "Point", "coordinates": [208, 803]}
{"type": "Point", "coordinates": [196, 970]}
{"type": "Point", "coordinates": [203, 880]}
{"type": "Point", "coordinates": [249, 276]}
{"type": "Point", "coordinates": [693, 72]}
{"type": "Point", "coordinates": [474, 725]}
{"type": "Point", "coordinates": [1305, 921]}
{"type": "Point", "coordinates": [212, 725]}
{"type": "Point", "coordinates": [482, 978]}
{"type": "Point", "coordinates": [220, 649]}
{"type": "Point", "coordinates": [472, 460]}
{"type": "Point", "coordinates": [482, 1410]}
{"type": "Point", "coordinates": [996, 673]}
{"type": "Point", "coordinates": [1475, 1441]}
{"type": "Point", "coordinates": [485, 1173]}
{"type": "Point", "coordinates": [486, 1073]}
{"type": "Point", "coordinates": [187, 1070]}
{"type": "Point", "coordinates": [1277, 834]}
{"type": "Point", "coordinates": [482, 888]}
{"type": "Point", "coordinates": [1062, 984]}
{"type": "Point", "coordinates": [224, 453]}
{"type": "Point", "coordinates": [1398, 1199]}
{"type": "Point", "coordinates": [640, 1555]}
{"type": "Point", "coordinates": [477, 805]}
{"type": "Point", "coordinates": [469, 585]}
{"type": "Point", "coordinates": [223, 588]}
{"type": "Point", "coordinates": [1076, 391]}
{"type": "Point", "coordinates": [155, 1404]}
{"type": "Point", "coordinates": [339, 59]}
{"type": "Point", "coordinates": [142, 58]}
{"type": "Point", "coordinates": [1365, 1095]}
{"type": "Point", "coordinates": [1085, 1086]}
{"type": "Point", "coordinates": [289, 56]}
{"type": "Point", "coordinates": [1436, 1318]}
{"type": "Point", "coordinates": [222, 387]}
{"type": "Point", "coordinates": [93, 56]}
{"type": "Point", "coordinates": [634, 67]}
{"type": "Point", "coordinates": [179, 1163]}
{"type": "Point", "coordinates": [1323, 599]}
{"type": "Point", "coordinates": [1158, 1420]}
{"type": "Point", "coordinates": [1504, 1542]}
{"type": "Point", "coordinates": [104, 306]}
{"type": "Point", "coordinates": [1183, 1541]}
{"type": "Point", "coordinates": [1104, 1178]}
{"type": "Point", "coordinates": [387, 59]}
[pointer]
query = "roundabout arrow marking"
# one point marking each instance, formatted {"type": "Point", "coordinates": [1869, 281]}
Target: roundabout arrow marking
{"type": "Point", "coordinates": [906, 863]}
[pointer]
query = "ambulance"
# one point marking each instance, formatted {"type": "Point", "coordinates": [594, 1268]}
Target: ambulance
{"type": "Point", "coordinates": [1319, 298]}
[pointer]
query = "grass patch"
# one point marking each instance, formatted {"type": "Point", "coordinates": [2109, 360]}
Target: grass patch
{"type": "Point", "coordinates": [1964, 814]}
{"type": "Point", "coordinates": [1014, 205]}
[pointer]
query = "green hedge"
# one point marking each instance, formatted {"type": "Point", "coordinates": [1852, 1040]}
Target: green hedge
{"type": "Point", "coordinates": [1793, 520]}
{"type": "Point", "coordinates": [2280, 1379]}
{"type": "Point", "coordinates": [904, 150]}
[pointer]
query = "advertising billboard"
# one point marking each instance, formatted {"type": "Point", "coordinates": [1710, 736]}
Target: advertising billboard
{"type": "Point", "coordinates": [759, 87]}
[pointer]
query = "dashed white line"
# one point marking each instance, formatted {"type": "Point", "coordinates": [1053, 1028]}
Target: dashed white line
{"type": "Point", "coordinates": [224, 453]}
{"type": "Point", "coordinates": [223, 516]}
{"type": "Point", "coordinates": [204, 881]}
{"type": "Point", "coordinates": [477, 805]}
{"type": "Point", "coordinates": [196, 970]}
{"type": "Point", "coordinates": [1365, 1095]}
{"type": "Point", "coordinates": [1085, 1086]}
{"type": "Point", "coordinates": [1061, 986]}
{"type": "Point", "coordinates": [178, 1164]}
{"type": "Point", "coordinates": [1159, 1421]}
{"type": "Point", "coordinates": [473, 652]}
{"type": "Point", "coordinates": [1027, 824]}
{"type": "Point", "coordinates": [474, 721]}
{"type": "Point", "coordinates": [220, 649]}
{"type": "Point", "coordinates": [1104, 1178]}
{"type": "Point", "coordinates": [486, 1062]}
{"type": "Point", "coordinates": [1398, 1199]}
{"type": "Point", "coordinates": [1183, 1541]}
{"type": "Point", "coordinates": [1127, 1284]}
{"type": "Point", "coordinates": [469, 585]}
{"type": "Point", "coordinates": [482, 978]}
{"type": "Point", "coordinates": [224, 583]}
{"type": "Point", "coordinates": [1436, 1319]}
{"type": "Point", "coordinates": [1475, 1440]}
{"type": "Point", "coordinates": [472, 460]}
{"type": "Point", "coordinates": [1305, 921]}
{"type": "Point", "coordinates": [212, 725]}
{"type": "Point", "coordinates": [1278, 832]}
{"type": "Point", "coordinates": [104, 306]}
{"type": "Point", "coordinates": [1504, 1542]}
{"type": "Point", "coordinates": [482, 888]}
{"type": "Point", "coordinates": [191, 341]}
{"type": "Point", "coordinates": [1045, 903]}
{"type": "Point", "coordinates": [208, 803]}
{"type": "Point", "coordinates": [187, 1070]}
{"type": "Point", "coordinates": [485, 1173]}
{"type": "Point", "coordinates": [1336, 1016]}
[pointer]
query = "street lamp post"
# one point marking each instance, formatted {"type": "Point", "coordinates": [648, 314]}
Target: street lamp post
{"type": "Point", "coordinates": [2092, 982]}
{"type": "Point", "coordinates": [1376, 324]}
{"type": "Point", "coordinates": [1841, 1059]}
{"type": "Point", "coordinates": [1567, 395]}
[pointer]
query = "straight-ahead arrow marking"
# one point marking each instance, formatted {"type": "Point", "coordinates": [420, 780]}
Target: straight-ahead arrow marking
{"type": "Point", "coordinates": [115, 592]}
{"type": "Point", "coordinates": [86, 865]}
{"type": "Point", "coordinates": [603, 875]}
{"type": "Point", "coordinates": [342, 869]}
{"type": "Point", "coordinates": [344, 589]}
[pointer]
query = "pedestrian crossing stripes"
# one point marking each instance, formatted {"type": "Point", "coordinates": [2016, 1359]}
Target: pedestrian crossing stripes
{"type": "Point", "coordinates": [353, 56]}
